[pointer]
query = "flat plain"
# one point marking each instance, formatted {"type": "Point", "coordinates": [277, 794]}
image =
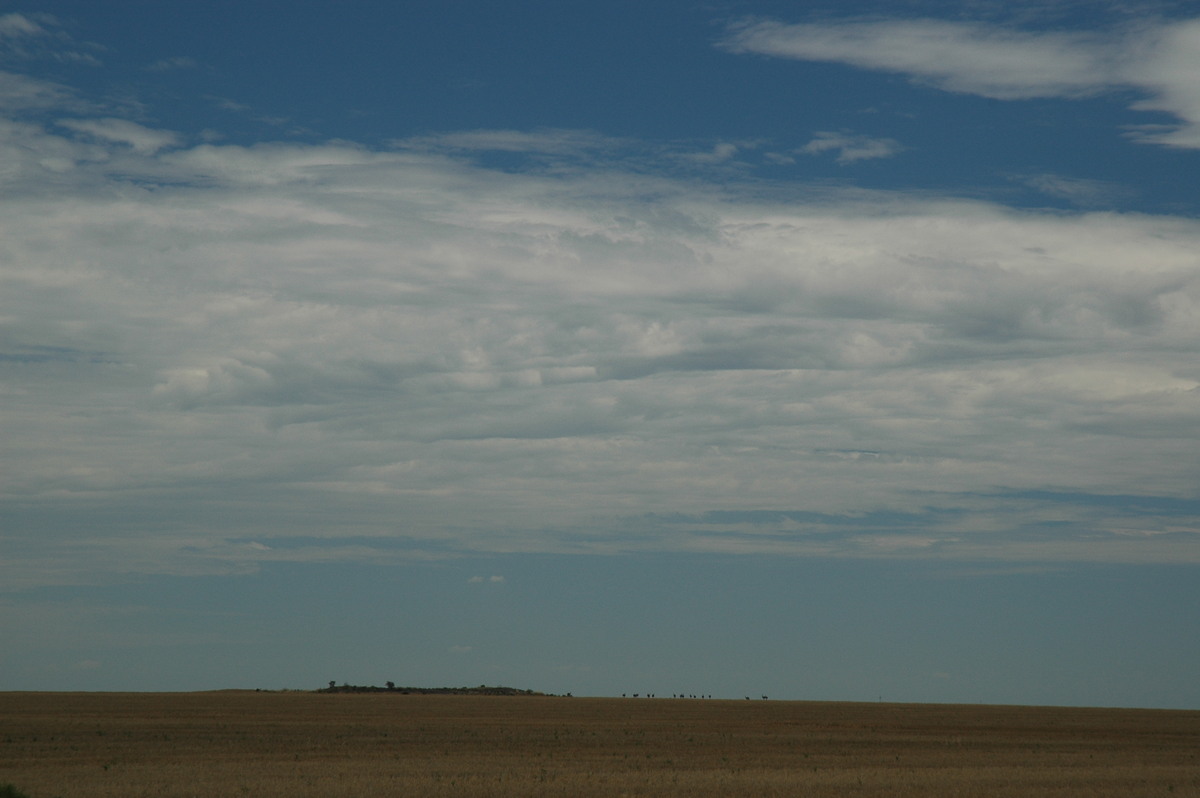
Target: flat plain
{"type": "Point", "coordinates": [298, 744]}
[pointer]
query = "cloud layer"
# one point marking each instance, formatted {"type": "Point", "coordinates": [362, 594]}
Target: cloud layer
{"type": "Point", "coordinates": [218, 355]}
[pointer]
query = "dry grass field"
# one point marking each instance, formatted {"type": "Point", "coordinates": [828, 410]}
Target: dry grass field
{"type": "Point", "coordinates": [102, 745]}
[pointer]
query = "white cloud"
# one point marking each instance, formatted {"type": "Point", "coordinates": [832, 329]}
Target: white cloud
{"type": "Point", "coordinates": [850, 147]}
{"type": "Point", "coordinates": [1166, 63]}
{"type": "Point", "coordinates": [721, 152]}
{"type": "Point", "coordinates": [965, 57]}
{"type": "Point", "coordinates": [1005, 63]}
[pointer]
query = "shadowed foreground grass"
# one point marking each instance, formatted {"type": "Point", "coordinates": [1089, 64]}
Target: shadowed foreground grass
{"type": "Point", "coordinates": [271, 745]}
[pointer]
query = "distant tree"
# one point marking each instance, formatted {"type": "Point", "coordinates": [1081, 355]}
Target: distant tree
{"type": "Point", "coordinates": [331, 685]}
{"type": "Point", "coordinates": [391, 685]}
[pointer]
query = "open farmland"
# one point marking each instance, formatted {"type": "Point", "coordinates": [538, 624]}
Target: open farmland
{"type": "Point", "coordinates": [294, 744]}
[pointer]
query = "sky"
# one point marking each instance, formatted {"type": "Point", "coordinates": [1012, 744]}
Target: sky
{"type": "Point", "coordinates": [820, 350]}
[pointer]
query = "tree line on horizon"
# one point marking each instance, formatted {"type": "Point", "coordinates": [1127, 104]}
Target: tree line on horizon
{"type": "Point", "coordinates": [390, 687]}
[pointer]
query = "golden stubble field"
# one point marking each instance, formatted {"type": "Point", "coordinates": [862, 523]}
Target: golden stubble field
{"type": "Point", "coordinates": [295, 744]}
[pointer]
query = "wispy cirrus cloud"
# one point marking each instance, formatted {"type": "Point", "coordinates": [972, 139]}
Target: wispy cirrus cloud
{"type": "Point", "coordinates": [1006, 63]}
{"type": "Point", "coordinates": [974, 58]}
{"type": "Point", "coordinates": [170, 64]}
{"type": "Point", "coordinates": [542, 142]}
{"type": "Point", "coordinates": [28, 36]}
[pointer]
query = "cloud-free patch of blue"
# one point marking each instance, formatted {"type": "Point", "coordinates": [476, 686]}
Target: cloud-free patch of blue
{"type": "Point", "coordinates": [52, 354]}
{"type": "Point", "coordinates": [871, 520]}
{"type": "Point", "coordinates": [1131, 503]}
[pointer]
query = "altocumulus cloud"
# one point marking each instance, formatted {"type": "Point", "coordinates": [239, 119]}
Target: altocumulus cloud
{"type": "Point", "coordinates": [344, 353]}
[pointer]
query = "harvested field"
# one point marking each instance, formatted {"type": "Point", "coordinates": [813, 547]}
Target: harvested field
{"type": "Point", "coordinates": [294, 744]}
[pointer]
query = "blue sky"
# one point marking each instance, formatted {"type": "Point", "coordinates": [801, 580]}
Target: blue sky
{"type": "Point", "coordinates": [831, 351]}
